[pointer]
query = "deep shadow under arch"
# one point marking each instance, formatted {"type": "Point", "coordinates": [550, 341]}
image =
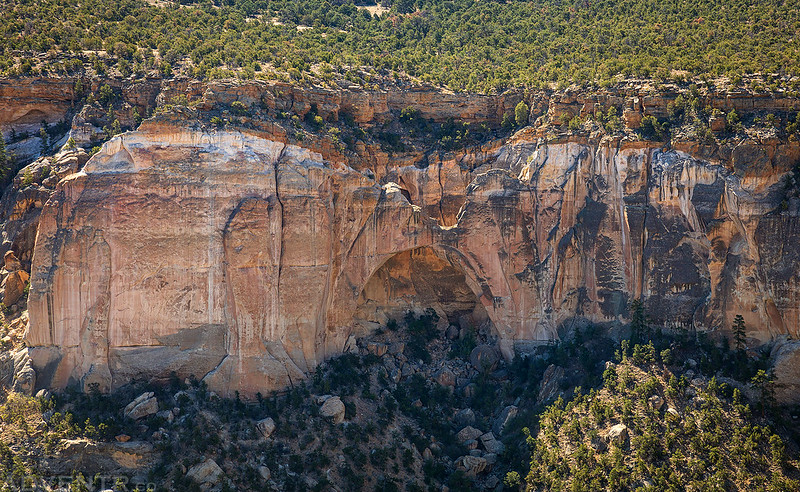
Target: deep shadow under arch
{"type": "Point", "coordinates": [418, 279]}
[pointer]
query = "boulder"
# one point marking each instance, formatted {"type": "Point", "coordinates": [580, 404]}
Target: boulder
{"type": "Point", "coordinates": [333, 409]}
{"type": "Point", "coordinates": [265, 427]}
{"type": "Point", "coordinates": [465, 417]}
{"type": "Point", "coordinates": [376, 348]}
{"type": "Point", "coordinates": [484, 358]}
{"type": "Point", "coordinates": [143, 406]}
{"type": "Point", "coordinates": [656, 402]}
{"type": "Point", "coordinates": [618, 434]}
{"type": "Point", "coordinates": [502, 420]}
{"type": "Point", "coordinates": [491, 444]}
{"type": "Point", "coordinates": [445, 377]}
{"type": "Point", "coordinates": [13, 287]}
{"type": "Point", "coordinates": [786, 371]}
{"type": "Point", "coordinates": [471, 465]}
{"type": "Point", "coordinates": [24, 378]}
{"type": "Point", "coordinates": [166, 415]}
{"type": "Point", "coordinates": [264, 472]}
{"type": "Point", "coordinates": [452, 332]}
{"type": "Point", "coordinates": [468, 433]}
{"type": "Point", "coordinates": [93, 457]}
{"type": "Point", "coordinates": [207, 472]}
{"type": "Point", "coordinates": [11, 263]}
{"type": "Point", "coordinates": [550, 386]}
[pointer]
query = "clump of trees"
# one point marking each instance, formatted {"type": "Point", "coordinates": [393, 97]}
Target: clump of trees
{"type": "Point", "coordinates": [462, 44]}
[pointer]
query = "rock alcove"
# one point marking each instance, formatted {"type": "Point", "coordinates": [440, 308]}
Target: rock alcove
{"type": "Point", "coordinates": [414, 280]}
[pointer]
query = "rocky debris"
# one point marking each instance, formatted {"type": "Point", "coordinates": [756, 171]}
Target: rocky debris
{"type": "Point", "coordinates": [206, 473]}
{"type": "Point", "coordinates": [617, 434]}
{"type": "Point", "coordinates": [468, 433]}
{"type": "Point", "coordinates": [507, 414]}
{"type": "Point", "coordinates": [264, 472]}
{"type": "Point", "coordinates": [14, 279]}
{"type": "Point", "coordinates": [144, 405]}
{"type": "Point", "coordinates": [265, 427]}
{"type": "Point", "coordinates": [333, 408]}
{"type": "Point", "coordinates": [397, 348]}
{"type": "Point", "coordinates": [471, 465]}
{"type": "Point", "coordinates": [471, 444]}
{"type": "Point", "coordinates": [550, 387]}
{"type": "Point", "coordinates": [484, 358]}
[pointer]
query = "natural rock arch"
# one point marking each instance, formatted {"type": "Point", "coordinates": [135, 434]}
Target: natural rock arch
{"type": "Point", "coordinates": [416, 279]}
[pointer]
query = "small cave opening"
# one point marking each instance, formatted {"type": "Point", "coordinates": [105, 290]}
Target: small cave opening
{"type": "Point", "coordinates": [416, 280]}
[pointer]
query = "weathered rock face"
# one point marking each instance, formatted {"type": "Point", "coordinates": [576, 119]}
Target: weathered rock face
{"type": "Point", "coordinates": [247, 261]}
{"type": "Point", "coordinates": [238, 258]}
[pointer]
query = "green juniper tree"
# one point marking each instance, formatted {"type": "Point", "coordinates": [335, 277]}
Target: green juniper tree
{"type": "Point", "coordinates": [521, 113]}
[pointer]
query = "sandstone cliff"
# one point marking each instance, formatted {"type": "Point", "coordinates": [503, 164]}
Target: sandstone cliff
{"type": "Point", "coordinates": [243, 260]}
{"type": "Point", "coordinates": [246, 255]}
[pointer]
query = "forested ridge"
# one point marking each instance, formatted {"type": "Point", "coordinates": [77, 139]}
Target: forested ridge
{"type": "Point", "coordinates": [461, 44]}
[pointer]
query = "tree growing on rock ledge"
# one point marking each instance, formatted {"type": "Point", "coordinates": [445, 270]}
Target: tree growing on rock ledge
{"type": "Point", "coordinates": [521, 113]}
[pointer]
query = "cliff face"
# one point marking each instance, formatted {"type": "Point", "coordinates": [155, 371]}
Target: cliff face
{"type": "Point", "coordinates": [246, 256]}
{"type": "Point", "coordinates": [247, 261]}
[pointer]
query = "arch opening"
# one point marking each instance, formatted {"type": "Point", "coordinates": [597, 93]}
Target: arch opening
{"type": "Point", "coordinates": [418, 279]}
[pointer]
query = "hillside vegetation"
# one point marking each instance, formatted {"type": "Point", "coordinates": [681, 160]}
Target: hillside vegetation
{"type": "Point", "coordinates": [679, 412]}
{"type": "Point", "coordinates": [462, 44]}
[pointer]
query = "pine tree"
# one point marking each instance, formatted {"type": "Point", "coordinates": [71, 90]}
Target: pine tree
{"type": "Point", "coordinates": [764, 382]}
{"type": "Point", "coordinates": [739, 332]}
{"type": "Point", "coordinates": [639, 322]}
